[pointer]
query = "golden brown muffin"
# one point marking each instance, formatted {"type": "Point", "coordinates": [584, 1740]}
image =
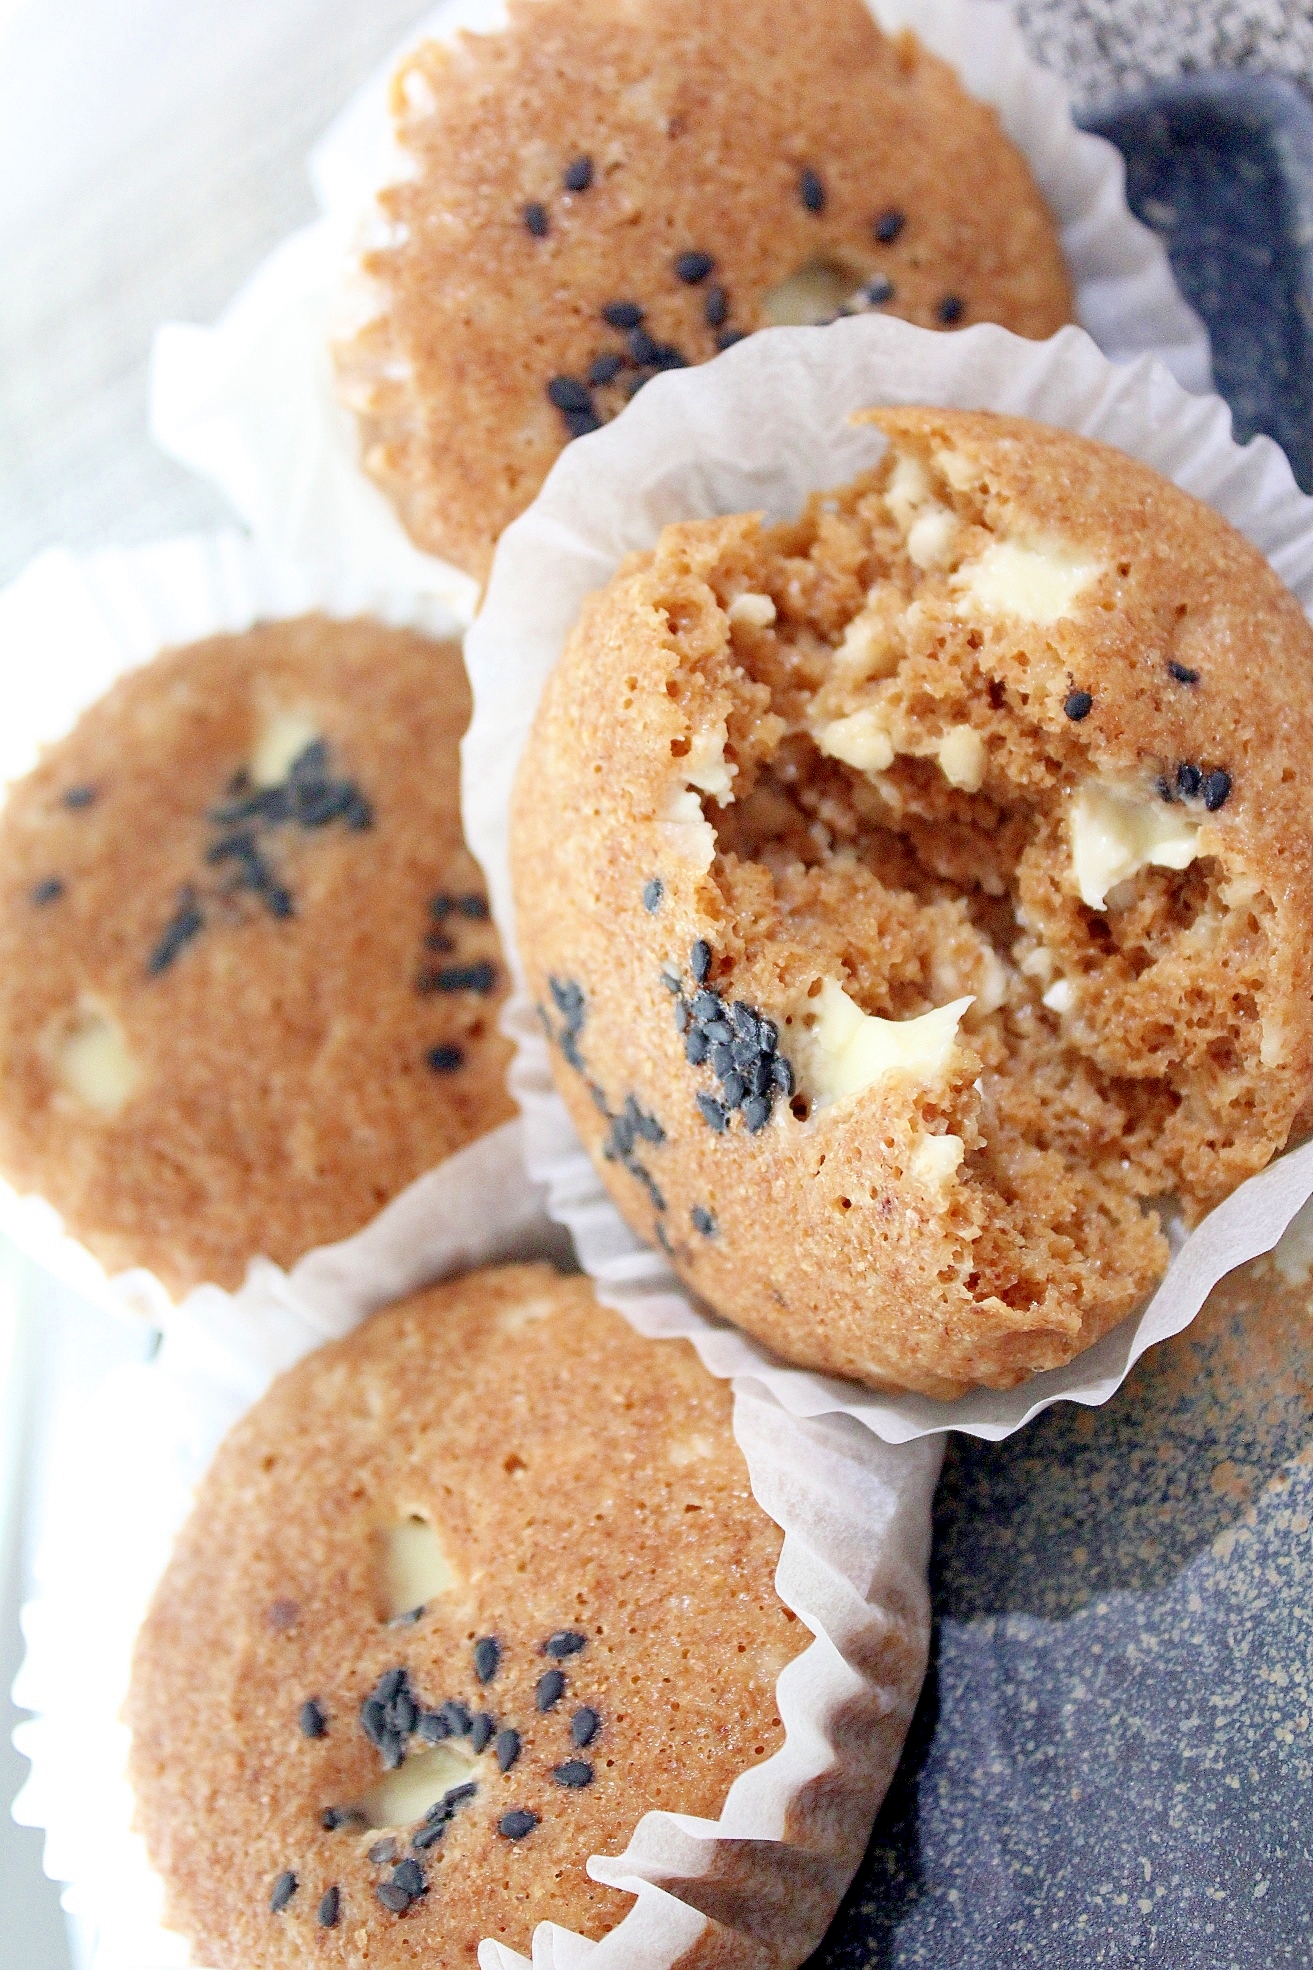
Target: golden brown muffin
{"type": "Point", "coordinates": [600, 1635]}
{"type": "Point", "coordinates": [917, 893]}
{"type": "Point", "coordinates": [248, 984]}
{"type": "Point", "coordinates": [604, 190]}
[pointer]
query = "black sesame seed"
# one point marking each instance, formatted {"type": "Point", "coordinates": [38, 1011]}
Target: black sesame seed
{"type": "Point", "coordinates": [729, 336]}
{"type": "Point", "coordinates": [438, 940]}
{"type": "Point", "coordinates": [647, 1125]}
{"type": "Point", "coordinates": [330, 1907]}
{"type": "Point", "coordinates": [1078, 705]}
{"type": "Point", "coordinates": [712, 1114]}
{"type": "Point", "coordinates": [669, 356]}
{"type": "Point", "coordinates": [622, 314]}
{"type": "Point", "coordinates": [515, 1825]}
{"type": "Point", "coordinates": [782, 1074]}
{"type": "Point", "coordinates": [732, 1090]}
{"type": "Point", "coordinates": [951, 309]}
{"type": "Point", "coordinates": [888, 226]}
{"type": "Point", "coordinates": [756, 1113]}
{"type": "Point", "coordinates": [715, 307]}
{"type": "Point", "coordinates": [482, 1731]}
{"type": "Point", "coordinates": [703, 1221]}
{"type": "Point", "coordinates": [695, 1047]}
{"type": "Point", "coordinates": [445, 1060]}
{"type": "Point", "coordinates": [391, 1683]}
{"type": "Point", "coordinates": [47, 890]}
{"type": "Point", "coordinates": [811, 191]}
{"type": "Point", "coordinates": [743, 1019]}
{"type": "Point", "coordinates": [700, 962]}
{"type": "Point", "coordinates": [565, 1643]}
{"type": "Point", "coordinates": [284, 1889]}
{"type": "Point", "coordinates": [487, 1657]}
{"type": "Point", "coordinates": [605, 369]}
{"type": "Point", "coordinates": [535, 218]}
{"type": "Point", "coordinates": [76, 797]}
{"type": "Point", "coordinates": [403, 1714]}
{"type": "Point", "coordinates": [474, 906]}
{"type": "Point", "coordinates": [761, 1077]}
{"type": "Point", "coordinates": [383, 1850]}
{"type": "Point", "coordinates": [458, 1719]}
{"type": "Point", "coordinates": [1217, 789]}
{"type": "Point", "coordinates": [393, 1897]}
{"type": "Point", "coordinates": [582, 423]}
{"type": "Point", "coordinates": [1189, 780]}
{"type": "Point", "coordinates": [878, 291]}
{"type": "Point", "coordinates": [672, 981]}
{"type": "Point", "coordinates": [746, 1053]}
{"type": "Point", "coordinates": [409, 1618]}
{"type": "Point", "coordinates": [768, 1035]}
{"type": "Point", "coordinates": [459, 1795]}
{"type": "Point", "coordinates": [1165, 788]}
{"type": "Point", "coordinates": [433, 1727]}
{"type": "Point", "coordinates": [506, 1749]}
{"type": "Point", "coordinates": [578, 175]}
{"type": "Point", "coordinates": [568, 393]}
{"type": "Point", "coordinates": [722, 1059]}
{"type": "Point", "coordinates": [693, 267]}
{"type": "Point", "coordinates": [642, 347]}
{"type": "Point", "coordinates": [1182, 673]}
{"type": "Point", "coordinates": [322, 801]}
{"type": "Point", "coordinates": [429, 1834]}
{"type": "Point", "coordinates": [312, 1719]}
{"type": "Point", "coordinates": [441, 906]}
{"type": "Point", "coordinates": [372, 1715]}
{"type": "Point", "coordinates": [569, 999]}
{"type": "Point", "coordinates": [575, 1773]}
{"type": "Point", "coordinates": [584, 1726]}
{"type": "Point", "coordinates": [653, 891]}
{"type": "Point", "coordinates": [550, 1690]}
{"type": "Point", "coordinates": [635, 383]}
{"type": "Point", "coordinates": [184, 924]}
{"type": "Point", "coordinates": [459, 978]}
{"type": "Point", "coordinates": [719, 1031]}
{"type": "Point", "coordinates": [707, 1005]}
{"type": "Point", "coordinates": [409, 1875]}
{"type": "Point", "coordinates": [392, 1751]}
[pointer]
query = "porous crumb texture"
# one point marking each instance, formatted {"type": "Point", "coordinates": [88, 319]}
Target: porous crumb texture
{"type": "Point", "coordinates": [602, 191]}
{"type": "Point", "coordinates": [595, 1512]}
{"type": "Point", "coordinates": [248, 984]}
{"type": "Point", "coordinates": [945, 736]}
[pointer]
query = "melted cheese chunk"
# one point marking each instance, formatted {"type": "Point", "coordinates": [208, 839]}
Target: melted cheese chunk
{"type": "Point", "coordinates": [1038, 584]}
{"type": "Point", "coordinates": [963, 758]}
{"type": "Point", "coordinates": [759, 610]}
{"type": "Point", "coordinates": [415, 1568]}
{"type": "Point", "coordinates": [283, 738]}
{"type": "Point", "coordinates": [860, 740]}
{"type": "Point", "coordinates": [1114, 834]}
{"type": "Point", "coordinates": [94, 1064]}
{"type": "Point", "coordinates": [405, 1795]}
{"type": "Point", "coordinates": [705, 765]}
{"type": "Point", "coordinates": [936, 1158]}
{"type": "Point", "coordinates": [848, 1050]}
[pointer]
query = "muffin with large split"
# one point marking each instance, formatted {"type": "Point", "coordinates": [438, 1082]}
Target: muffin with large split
{"type": "Point", "coordinates": [601, 192]}
{"type": "Point", "coordinates": [462, 1598]}
{"type": "Point", "coordinates": [917, 897]}
{"type": "Point", "coordinates": [248, 980]}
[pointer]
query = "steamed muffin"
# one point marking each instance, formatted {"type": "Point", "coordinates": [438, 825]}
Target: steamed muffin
{"type": "Point", "coordinates": [919, 897]}
{"type": "Point", "coordinates": [463, 1597]}
{"type": "Point", "coordinates": [248, 982]}
{"type": "Point", "coordinates": [600, 192]}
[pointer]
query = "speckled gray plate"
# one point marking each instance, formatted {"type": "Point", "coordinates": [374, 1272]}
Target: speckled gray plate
{"type": "Point", "coordinates": [1112, 1763]}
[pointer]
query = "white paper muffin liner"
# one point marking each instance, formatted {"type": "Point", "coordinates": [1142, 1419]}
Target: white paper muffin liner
{"type": "Point", "coordinates": [761, 428]}
{"type": "Point", "coordinates": [251, 403]}
{"type": "Point", "coordinates": [856, 1517]}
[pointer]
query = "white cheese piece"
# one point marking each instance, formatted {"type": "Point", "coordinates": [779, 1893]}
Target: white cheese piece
{"type": "Point", "coordinates": [931, 537]}
{"type": "Point", "coordinates": [848, 1050]}
{"type": "Point", "coordinates": [867, 649]}
{"type": "Point", "coordinates": [759, 610]}
{"type": "Point", "coordinates": [704, 765]}
{"type": "Point", "coordinates": [859, 740]}
{"type": "Point", "coordinates": [1038, 964]}
{"type": "Point", "coordinates": [963, 758]}
{"type": "Point", "coordinates": [283, 738]}
{"type": "Point", "coordinates": [1115, 833]}
{"type": "Point", "coordinates": [957, 470]}
{"type": "Point", "coordinates": [686, 831]}
{"type": "Point", "coordinates": [1038, 583]}
{"type": "Point", "coordinates": [936, 1158]}
{"type": "Point", "coordinates": [94, 1064]}
{"type": "Point", "coordinates": [1060, 997]}
{"type": "Point", "coordinates": [908, 490]}
{"type": "Point", "coordinates": [405, 1795]}
{"type": "Point", "coordinates": [814, 293]}
{"type": "Point", "coordinates": [994, 983]}
{"type": "Point", "coordinates": [415, 1568]}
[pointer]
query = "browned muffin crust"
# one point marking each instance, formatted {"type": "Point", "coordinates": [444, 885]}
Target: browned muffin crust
{"type": "Point", "coordinates": [238, 1014]}
{"type": "Point", "coordinates": [595, 1512]}
{"type": "Point", "coordinates": [601, 191]}
{"type": "Point", "coordinates": [784, 779]}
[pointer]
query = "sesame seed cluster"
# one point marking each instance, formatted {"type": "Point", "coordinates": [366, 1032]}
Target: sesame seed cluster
{"type": "Point", "coordinates": [186, 914]}
{"type": "Point", "coordinates": [932, 711]}
{"type": "Point", "coordinates": [599, 195]}
{"type": "Point", "coordinates": [606, 1643]}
